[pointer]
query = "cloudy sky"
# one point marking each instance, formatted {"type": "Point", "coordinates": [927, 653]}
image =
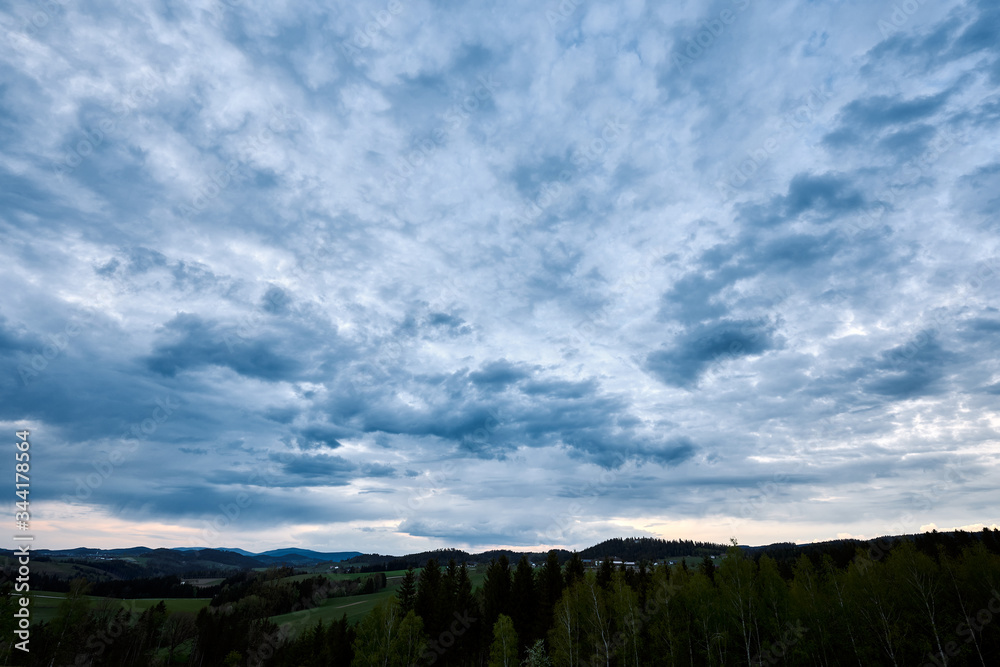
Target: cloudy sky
{"type": "Point", "coordinates": [400, 274]}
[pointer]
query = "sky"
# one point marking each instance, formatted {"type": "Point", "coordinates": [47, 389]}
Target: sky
{"type": "Point", "coordinates": [396, 275]}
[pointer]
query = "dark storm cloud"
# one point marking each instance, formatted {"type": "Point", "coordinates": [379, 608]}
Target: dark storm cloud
{"type": "Point", "coordinates": [909, 143]}
{"type": "Point", "coordinates": [882, 111]}
{"type": "Point", "coordinates": [12, 340]}
{"type": "Point", "coordinates": [192, 342]}
{"type": "Point", "coordinates": [559, 388]}
{"type": "Point", "coordinates": [691, 354]}
{"type": "Point", "coordinates": [141, 260]}
{"type": "Point", "coordinates": [452, 324]}
{"type": "Point", "coordinates": [970, 28]}
{"type": "Point", "coordinates": [899, 125]}
{"type": "Point", "coordinates": [795, 259]}
{"type": "Point", "coordinates": [824, 196]}
{"type": "Point", "coordinates": [498, 374]}
{"type": "Point", "coordinates": [321, 435]}
{"type": "Point", "coordinates": [909, 370]}
{"type": "Point", "coordinates": [322, 468]}
{"type": "Point", "coordinates": [695, 298]}
{"type": "Point", "coordinates": [275, 300]}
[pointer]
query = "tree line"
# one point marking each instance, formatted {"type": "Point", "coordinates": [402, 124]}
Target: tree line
{"type": "Point", "coordinates": [928, 601]}
{"type": "Point", "coordinates": [898, 602]}
{"type": "Point", "coordinates": [234, 627]}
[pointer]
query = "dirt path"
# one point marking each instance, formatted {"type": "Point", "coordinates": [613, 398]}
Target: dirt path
{"type": "Point", "coordinates": [350, 605]}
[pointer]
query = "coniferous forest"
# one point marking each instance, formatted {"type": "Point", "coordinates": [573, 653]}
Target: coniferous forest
{"type": "Point", "coordinates": [932, 600]}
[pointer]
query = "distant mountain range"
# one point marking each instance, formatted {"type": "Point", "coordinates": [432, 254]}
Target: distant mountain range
{"type": "Point", "coordinates": [188, 557]}
{"type": "Point", "coordinates": [309, 554]}
{"type": "Point", "coordinates": [189, 560]}
{"type": "Point", "coordinates": [58, 567]}
{"type": "Point", "coordinates": [192, 562]}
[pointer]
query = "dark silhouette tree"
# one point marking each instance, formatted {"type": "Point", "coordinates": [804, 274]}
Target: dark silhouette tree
{"type": "Point", "coordinates": [604, 574]}
{"type": "Point", "coordinates": [574, 570]}
{"type": "Point", "coordinates": [550, 587]}
{"type": "Point", "coordinates": [496, 591]}
{"type": "Point", "coordinates": [524, 603]}
{"type": "Point", "coordinates": [429, 603]}
{"type": "Point", "coordinates": [707, 568]}
{"type": "Point", "coordinates": [407, 593]}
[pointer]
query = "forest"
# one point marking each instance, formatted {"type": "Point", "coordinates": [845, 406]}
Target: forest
{"type": "Point", "coordinates": [932, 600]}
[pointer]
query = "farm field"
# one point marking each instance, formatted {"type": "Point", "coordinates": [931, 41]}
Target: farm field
{"type": "Point", "coordinates": [356, 606]}
{"type": "Point", "coordinates": [192, 605]}
{"type": "Point", "coordinates": [45, 604]}
{"type": "Point", "coordinates": [202, 583]}
{"type": "Point", "coordinates": [61, 570]}
{"type": "Point", "coordinates": [340, 576]}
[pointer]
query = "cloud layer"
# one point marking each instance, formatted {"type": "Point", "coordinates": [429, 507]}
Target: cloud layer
{"type": "Point", "coordinates": [385, 276]}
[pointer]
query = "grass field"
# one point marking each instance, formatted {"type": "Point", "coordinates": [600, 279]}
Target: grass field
{"type": "Point", "coordinates": [192, 605]}
{"type": "Point", "coordinates": [202, 583]}
{"type": "Point", "coordinates": [355, 606]}
{"type": "Point", "coordinates": [339, 576]}
{"type": "Point", "coordinates": [45, 604]}
{"type": "Point", "coordinates": [57, 569]}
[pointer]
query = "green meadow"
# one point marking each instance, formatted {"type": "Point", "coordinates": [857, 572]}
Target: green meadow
{"type": "Point", "coordinates": [355, 606]}
{"type": "Point", "coordinates": [45, 604]}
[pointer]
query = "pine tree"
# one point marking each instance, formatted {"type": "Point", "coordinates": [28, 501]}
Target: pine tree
{"type": "Point", "coordinates": [449, 586]}
{"type": "Point", "coordinates": [428, 603]}
{"type": "Point", "coordinates": [550, 586]}
{"type": "Point", "coordinates": [523, 603]}
{"type": "Point", "coordinates": [466, 607]}
{"type": "Point", "coordinates": [407, 593]}
{"type": "Point", "coordinates": [463, 590]}
{"type": "Point", "coordinates": [604, 574]}
{"type": "Point", "coordinates": [496, 591]}
{"type": "Point", "coordinates": [707, 568]}
{"type": "Point", "coordinates": [574, 569]}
